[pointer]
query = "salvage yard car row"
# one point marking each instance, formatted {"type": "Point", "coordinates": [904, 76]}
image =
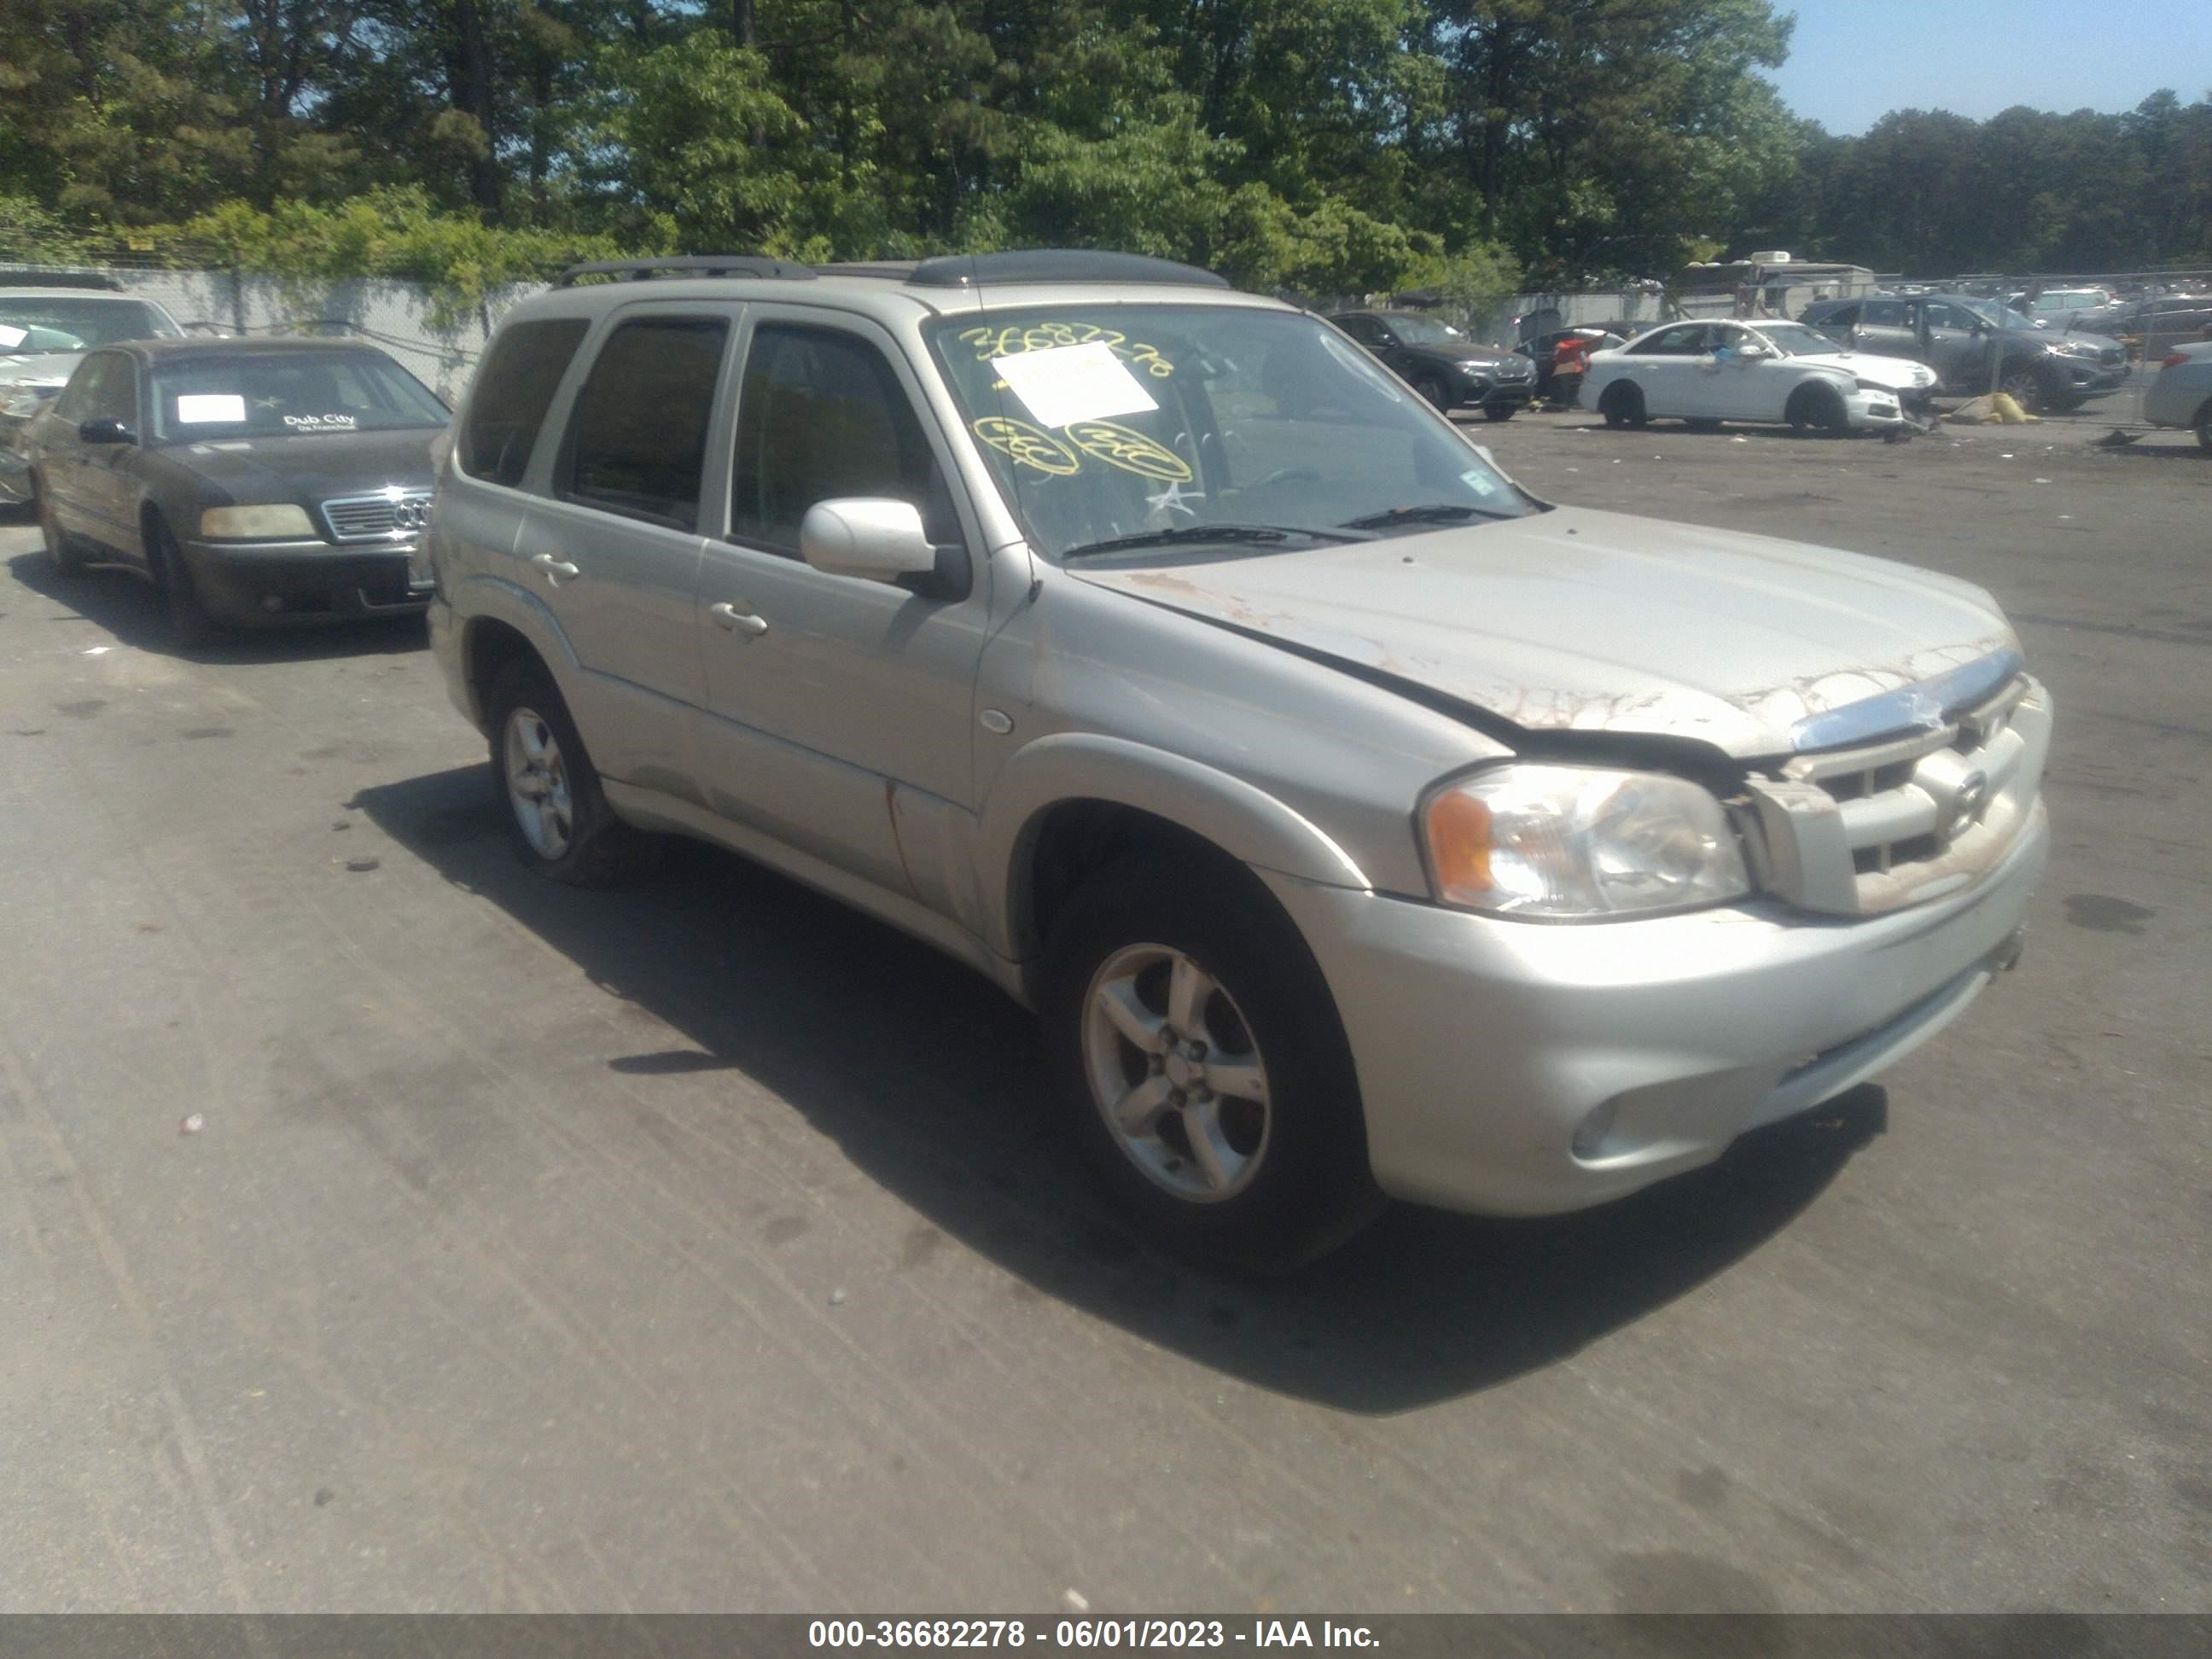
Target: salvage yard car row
{"type": "Point", "coordinates": [1357, 825]}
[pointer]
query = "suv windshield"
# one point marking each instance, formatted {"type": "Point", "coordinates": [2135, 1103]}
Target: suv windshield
{"type": "Point", "coordinates": [288, 394]}
{"type": "Point", "coordinates": [1417, 330]}
{"type": "Point", "coordinates": [1109, 421]}
{"type": "Point", "coordinates": [69, 323]}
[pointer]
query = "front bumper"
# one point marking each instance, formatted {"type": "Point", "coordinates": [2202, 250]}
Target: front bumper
{"type": "Point", "coordinates": [276, 583]}
{"type": "Point", "coordinates": [1482, 391]}
{"type": "Point", "coordinates": [1483, 1046]}
{"type": "Point", "coordinates": [1888, 410]}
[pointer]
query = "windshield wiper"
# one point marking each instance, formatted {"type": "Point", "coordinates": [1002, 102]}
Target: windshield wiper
{"type": "Point", "coordinates": [1435, 513]}
{"type": "Point", "coordinates": [1191, 535]}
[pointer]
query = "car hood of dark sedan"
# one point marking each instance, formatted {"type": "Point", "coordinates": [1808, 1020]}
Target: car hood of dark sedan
{"type": "Point", "coordinates": [309, 469]}
{"type": "Point", "coordinates": [1573, 620]}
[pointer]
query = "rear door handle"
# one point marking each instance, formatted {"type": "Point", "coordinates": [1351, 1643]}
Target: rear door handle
{"type": "Point", "coordinates": [556, 570]}
{"type": "Point", "coordinates": [737, 621]}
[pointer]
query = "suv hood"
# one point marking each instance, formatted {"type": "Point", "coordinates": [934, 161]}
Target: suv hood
{"type": "Point", "coordinates": [1468, 351]}
{"type": "Point", "coordinates": [1572, 620]}
{"type": "Point", "coordinates": [38, 367]}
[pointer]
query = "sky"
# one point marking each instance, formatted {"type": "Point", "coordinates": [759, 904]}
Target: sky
{"type": "Point", "coordinates": [1853, 61]}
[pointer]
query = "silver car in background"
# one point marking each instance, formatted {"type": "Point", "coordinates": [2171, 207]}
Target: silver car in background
{"type": "Point", "coordinates": [1356, 823]}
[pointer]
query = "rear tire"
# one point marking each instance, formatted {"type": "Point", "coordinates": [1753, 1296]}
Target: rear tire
{"type": "Point", "coordinates": [61, 547]}
{"type": "Point", "coordinates": [1817, 408]}
{"type": "Point", "coordinates": [2204, 427]}
{"type": "Point", "coordinates": [190, 624]}
{"type": "Point", "coordinates": [1622, 405]}
{"type": "Point", "coordinates": [1500, 412]}
{"type": "Point", "coordinates": [558, 816]}
{"type": "Point", "coordinates": [1162, 984]}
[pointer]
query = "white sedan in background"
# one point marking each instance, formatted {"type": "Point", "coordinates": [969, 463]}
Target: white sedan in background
{"type": "Point", "coordinates": [1705, 373]}
{"type": "Point", "coordinates": [2182, 393]}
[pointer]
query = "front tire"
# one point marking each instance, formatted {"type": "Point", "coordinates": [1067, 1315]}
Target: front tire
{"type": "Point", "coordinates": [1203, 1068]}
{"type": "Point", "coordinates": [1817, 408]}
{"type": "Point", "coordinates": [1500, 412]}
{"type": "Point", "coordinates": [2025, 387]}
{"type": "Point", "coordinates": [557, 815]}
{"type": "Point", "coordinates": [1432, 387]}
{"type": "Point", "coordinates": [1622, 405]}
{"type": "Point", "coordinates": [189, 625]}
{"type": "Point", "coordinates": [61, 547]}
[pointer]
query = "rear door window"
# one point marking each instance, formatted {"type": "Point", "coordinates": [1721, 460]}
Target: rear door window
{"type": "Point", "coordinates": [513, 389]}
{"type": "Point", "coordinates": [637, 442]}
{"type": "Point", "coordinates": [1885, 313]}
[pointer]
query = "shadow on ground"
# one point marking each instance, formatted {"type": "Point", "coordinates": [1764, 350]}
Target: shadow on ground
{"type": "Point", "coordinates": [926, 1077]}
{"type": "Point", "coordinates": [131, 612]}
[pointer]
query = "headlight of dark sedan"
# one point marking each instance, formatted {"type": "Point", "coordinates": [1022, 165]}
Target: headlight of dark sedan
{"type": "Point", "coordinates": [286, 522]}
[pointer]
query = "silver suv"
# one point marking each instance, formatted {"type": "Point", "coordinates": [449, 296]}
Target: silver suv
{"type": "Point", "coordinates": [1356, 823]}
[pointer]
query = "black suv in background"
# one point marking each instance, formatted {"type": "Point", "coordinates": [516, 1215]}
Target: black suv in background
{"type": "Point", "coordinates": [1442, 364]}
{"type": "Point", "coordinates": [1973, 348]}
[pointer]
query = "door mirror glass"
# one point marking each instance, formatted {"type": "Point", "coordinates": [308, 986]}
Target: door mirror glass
{"type": "Point", "coordinates": [867, 536]}
{"type": "Point", "coordinates": [106, 429]}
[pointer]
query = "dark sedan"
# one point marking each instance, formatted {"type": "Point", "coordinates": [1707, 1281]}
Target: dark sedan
{"type": "Point", "coordinates": [1442, 364]}
{"type": "Point", "coordinates": [265, 481]}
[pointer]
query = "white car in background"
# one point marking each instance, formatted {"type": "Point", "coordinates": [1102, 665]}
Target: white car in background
{"type": "Point", "coordinates": [2181, 395]}
{"type": "Point", "coordinates": [1706, 373]}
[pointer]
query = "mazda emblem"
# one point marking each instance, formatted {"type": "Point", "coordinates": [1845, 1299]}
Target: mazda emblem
{"type": "Point", "coordinates": [1966, 806]}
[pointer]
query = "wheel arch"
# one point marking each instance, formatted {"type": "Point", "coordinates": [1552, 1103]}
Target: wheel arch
{"type": "Point", "coordinates": [500, 624]}
{"type": "Point", "coordinates": [1069, 805]}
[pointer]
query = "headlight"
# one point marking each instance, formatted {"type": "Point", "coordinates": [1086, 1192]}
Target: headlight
{"type": "Point", "coordinates": [256, 524]}
{"type": "Point", "coordinates": [1573, 842]}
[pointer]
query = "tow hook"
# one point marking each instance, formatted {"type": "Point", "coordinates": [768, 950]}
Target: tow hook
{"type": "Point", "coordinates": [2006, 957]}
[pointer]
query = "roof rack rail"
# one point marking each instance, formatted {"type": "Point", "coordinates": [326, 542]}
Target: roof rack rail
{"type": "Point", "coordinates": [1057, 265]}
{"type": "Point", "coordinates": [756, 266]}
{"type": "Point", "coordinates": [896, 271]}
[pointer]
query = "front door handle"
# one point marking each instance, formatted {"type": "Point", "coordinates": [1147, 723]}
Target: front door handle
{"type": "Point", "coordinates": [737, 621]}
{"type": "Point", "coordinates": [556, 570]}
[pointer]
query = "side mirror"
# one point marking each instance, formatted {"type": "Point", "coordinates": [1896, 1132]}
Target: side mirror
{"type": "Point", "coordinates": [866, 536]}
{"type": "Point", "coordinates": [106, 430]}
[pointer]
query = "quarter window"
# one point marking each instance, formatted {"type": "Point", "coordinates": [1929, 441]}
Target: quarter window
{"type": "Point", "coordinates": [513, 392]}
{"type": "Point", "coordinates": [637, 443]}
{"type": "Point", "coordinates": [822, 417]}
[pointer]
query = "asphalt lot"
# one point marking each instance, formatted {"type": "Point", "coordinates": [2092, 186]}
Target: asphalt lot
{"type": "Point", "coordinates": [697, 1246]}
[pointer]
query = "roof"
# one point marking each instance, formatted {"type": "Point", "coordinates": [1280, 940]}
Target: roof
{"type": "Point", "coordinates": [239, 345]}
{"type": "Point", "coordinates": [44, 291]}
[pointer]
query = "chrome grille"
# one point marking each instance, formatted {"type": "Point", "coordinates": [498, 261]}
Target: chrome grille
{"type": "Point", "coordinates": [383, 517]}
{"type": "Point", "coordinates": [1881, 825]}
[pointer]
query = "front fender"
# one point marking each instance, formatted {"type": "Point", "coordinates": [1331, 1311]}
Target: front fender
{"type": "Point", "coordinates": [1245, 822]}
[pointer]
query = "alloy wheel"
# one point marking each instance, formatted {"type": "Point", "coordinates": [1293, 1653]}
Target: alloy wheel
{"type": "Point", "coordinates": [1175, 1072]}
{"type": "Point", "coordinates": [538, 784]}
